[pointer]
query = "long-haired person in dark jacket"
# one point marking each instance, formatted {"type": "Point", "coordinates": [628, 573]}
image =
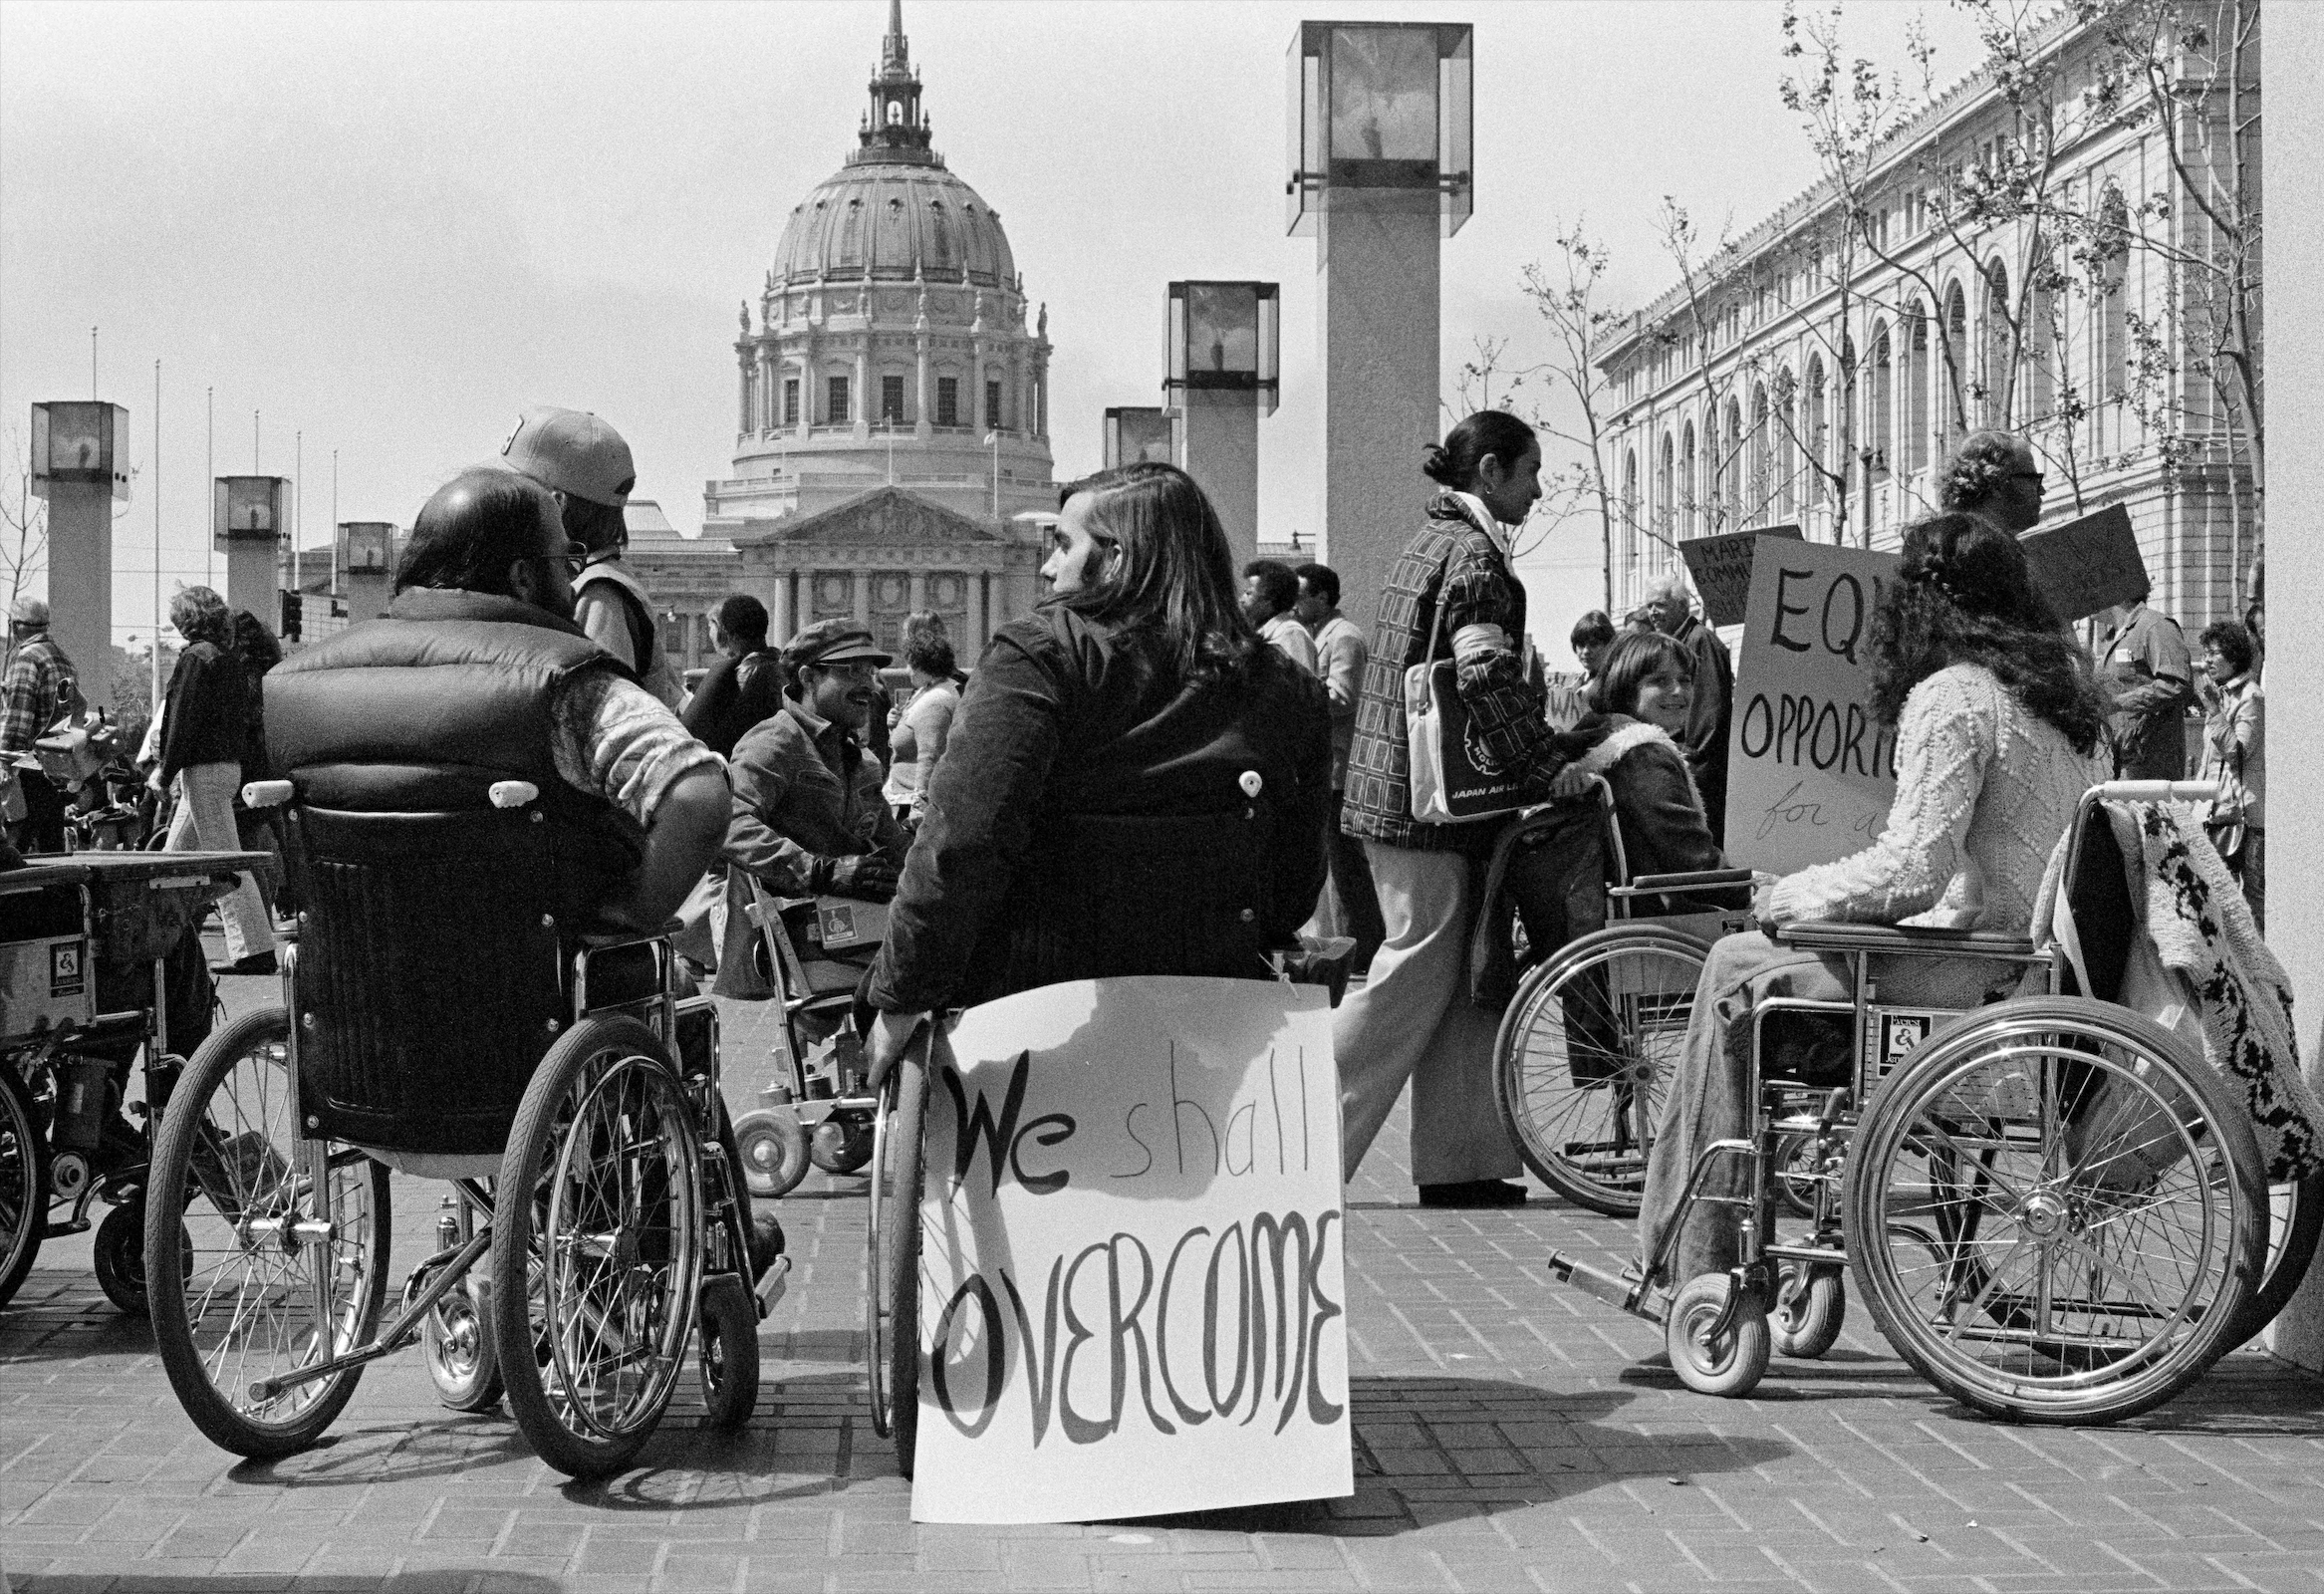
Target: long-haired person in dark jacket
{"type": "Point", "coordinates": [1413, 1019]}
{"type": "Point", "coordinates": [204, 737]}
{"type": "Point", "coordinates": [1094, 813]}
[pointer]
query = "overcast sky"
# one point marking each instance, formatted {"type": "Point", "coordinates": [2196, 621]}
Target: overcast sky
{"type": "Point", "coordinates": [390, 228]}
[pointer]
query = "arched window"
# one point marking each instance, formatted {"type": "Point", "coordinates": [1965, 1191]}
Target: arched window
{"type": "Point", "coordinates": [1786, 425]}
{"type": "Point", "coordinates": [1629, 536]}
{"type": "Point", "coordinates": [1815, 428]}
{"type": "Point", "coordinates": [1730, 469]}
{"type": "Point", "coordinates": [1953, 369]}
{"type": "Point", "coordinates": [1667, 490]}
{"type": "Point", "coordinates": [1879, 405]}
{"type": "Point", "coordinates": [2110, 343]}
{"type": "Point", "coordinates": [1999, 349]}
{"type": "Point", "coordinates": [1917, 389]}
{"type": "Point", "coordinates": [1689, 483]}
{"type": "Point", "coordinates": [2041, 345]}
{"type": "Point", "coordinates": [1761, 491]}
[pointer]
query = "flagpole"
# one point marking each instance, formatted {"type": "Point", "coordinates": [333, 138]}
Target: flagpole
{"type": "Point", "coordinates": [154, 698]}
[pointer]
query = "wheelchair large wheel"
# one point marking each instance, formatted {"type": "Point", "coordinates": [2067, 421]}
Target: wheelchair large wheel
{"type": "Point", "coordinates": [2295, 1222]}
{"type": "Point", "coordinates": [24, 1180]}
{"type": "Point", "coordinates": [891, 1301]}
{"type": "Point", "coordinates": [1584, 1052]}
{"type": "Point", "coordinates": [2053, 1213]}
{"type": "Point", "coordinates": [265, 1252]}
{"type": "Point", "coordinates": [596, 1247]}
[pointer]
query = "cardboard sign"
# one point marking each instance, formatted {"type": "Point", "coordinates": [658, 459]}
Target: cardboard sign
{"type": "Point", "coordinates": [1721, 567]}
{"type": "Point", "coordinates": [2088, 564]}
{"type": "Point", "coordinates": [1810, 771]}
{"type": "Point", "coordinates": [1130, 1297]}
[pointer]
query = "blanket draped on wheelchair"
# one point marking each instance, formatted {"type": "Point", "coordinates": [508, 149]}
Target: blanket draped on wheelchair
{"type": "Point", "coordinates": [2199, 966]}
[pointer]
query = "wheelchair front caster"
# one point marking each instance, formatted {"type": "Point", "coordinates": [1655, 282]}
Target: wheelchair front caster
{"type": "Point", "coordinates": [841, 1143]}
{"type": "Point", "coordinates": [727, 1332]}
{"type": "Point", "coordinates": [772, 1144]}
{"type": "Point", "coordinates": [456, 1340]}
{"type": "Point", "coordinates": [119, 1256]}
{"type": "Point", "coordinates": [1811, 1302]}
{"type": "Point", "coordinates": [1715, 1360]}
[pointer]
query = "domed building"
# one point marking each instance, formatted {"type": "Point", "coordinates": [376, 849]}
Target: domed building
{"type": "Point", "coordinates": [892, 405]}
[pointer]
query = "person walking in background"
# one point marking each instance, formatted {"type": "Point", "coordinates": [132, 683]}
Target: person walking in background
{"type": "Point", "coordinates": [1340, 651]}
{"type": "Point", "coordinates": [588, 466]}
{"type": "Point", "coordinates": [920, 735]}
{"type": "Point", "coordinates": [205, 737]}
{"type": "Point", "coordinates": [1449, 590]}
{"type": "Point", "coordinates": [744, 687]}
{"type": "Point", "coordinates": [1271, 594]}
{"type": "Point", "coordinates": [1993, 476]}
{"type": "Point", "coordinates": [2150, 682]}
{"type": "Point", "coordinates": [41, 684]}
{"type": "Point", "coordinates": [1670, 605]}
{"type": "Point", "coordinates": [2235, 755]}
{"type": "Point", "coordinates": [257, 651]}
{"type": "Point", "coordinates": [1592, 638]}
{"type": "Point", "coordinates": [1134, 783]}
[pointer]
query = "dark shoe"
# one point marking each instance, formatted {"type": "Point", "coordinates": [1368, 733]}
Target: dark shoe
{"type": "Point", "coordinates": [766, 1244]}
{"type": "Point", "coordinates": [1474, 1192]}
{"type": "Point", "coordinates": [255, 963]}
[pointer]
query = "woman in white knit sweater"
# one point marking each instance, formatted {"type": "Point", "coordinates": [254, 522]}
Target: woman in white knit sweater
{"type": "Point", "coordinates": [1998, 721]}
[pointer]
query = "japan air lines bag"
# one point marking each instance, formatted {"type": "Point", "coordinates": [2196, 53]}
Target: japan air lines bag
{"type": "Point", "coordinates": [1448, 786]}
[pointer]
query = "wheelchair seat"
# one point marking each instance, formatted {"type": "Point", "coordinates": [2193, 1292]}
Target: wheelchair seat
{"type": "Point", "coordinates": [1926, 941]}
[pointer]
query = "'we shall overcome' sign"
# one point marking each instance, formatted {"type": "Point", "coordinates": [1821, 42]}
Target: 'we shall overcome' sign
{"type": "Point", "coordinates": [1132, 1247]}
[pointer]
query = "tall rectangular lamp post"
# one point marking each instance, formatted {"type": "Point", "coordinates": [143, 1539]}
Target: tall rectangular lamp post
{"type": "Point", "coordinates": [1226, 364]}
{"type": "Point", "coordinates": [77, 465]}
{"type": "Point", "coordinates": [1134, 433]}
{"type": "Point", "coordinates": [364, 548]}
{"type": "Point", "coordinates": [1382, 160]}
{"type": "Point", "coordinates": [246, 524]}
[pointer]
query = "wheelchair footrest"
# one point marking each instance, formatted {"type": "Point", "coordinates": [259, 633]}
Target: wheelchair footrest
{"type": "Point", "coordinates": [772, 1285]}
{"type": "Point", "coordinates": [1628, 1293]}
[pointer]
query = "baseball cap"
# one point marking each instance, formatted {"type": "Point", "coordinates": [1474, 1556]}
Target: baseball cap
{"type": "Point", "coordinates": [830, 642]}
{"type": "Point", "coordinates": [573, 452]}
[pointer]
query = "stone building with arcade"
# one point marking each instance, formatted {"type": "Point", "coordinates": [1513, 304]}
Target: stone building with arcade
{"type": "Point", "coordinates": [891, 409]}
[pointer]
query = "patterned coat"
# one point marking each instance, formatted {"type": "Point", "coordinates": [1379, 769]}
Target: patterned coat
{"type": "Point", "coordinates": [1455, 564]}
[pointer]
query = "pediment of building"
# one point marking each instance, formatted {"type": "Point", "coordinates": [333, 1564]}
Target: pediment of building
{"type": "Point", "coordinates": [885, 517]}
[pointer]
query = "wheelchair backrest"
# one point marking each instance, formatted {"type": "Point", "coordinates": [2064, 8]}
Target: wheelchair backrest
{"type": "Point", "coordinates": [428, 979]}
{"type": "Point", "coordinates": [2098, 896]}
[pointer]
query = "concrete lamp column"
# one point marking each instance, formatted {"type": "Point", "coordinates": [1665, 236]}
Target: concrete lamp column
{"type": "Point", "coordinates": [364, 555]}
{"type": "Point", "coordinates": [1224, 351]}
{"type": "Point", "coordinates": [246, 522]}
{"type": "Point", "coordinates": [1382, 168]}
{"type": "Point", "coordinates": [78, 467]}
{"type": "Point", "coordinates": [1134, 433]}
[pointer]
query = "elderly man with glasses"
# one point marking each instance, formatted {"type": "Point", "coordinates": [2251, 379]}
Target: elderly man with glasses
{"type": "Point", "coordinates": [1993, 476]}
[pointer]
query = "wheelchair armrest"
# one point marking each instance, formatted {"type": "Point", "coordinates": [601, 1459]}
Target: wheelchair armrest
{"type": "Point", "coordinates": [1928, 941]}
{"type": "Point", "coordinates": [1696, 880]}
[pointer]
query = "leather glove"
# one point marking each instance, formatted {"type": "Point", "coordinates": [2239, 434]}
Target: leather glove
{"type": "Point", "coordinates": [866, 877]}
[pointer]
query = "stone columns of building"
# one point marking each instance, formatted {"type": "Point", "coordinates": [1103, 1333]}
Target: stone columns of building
{"type": "Point", "coordinates": [924, 401]}
{"type": "Point", "coordinates": [2292, 86]}
{"type": "Point", "coordinates": [781, 607]}
{"type": "Point", "coordinates": [860, 582]}
{"type": "Point", "coordinates": [770, 390]}
{"type": "Point", "coordinates": [980, 625]}
{"type": "Point", "coordinates": [919, 588]}
{"type": "Point", "coordinates": [743, 367]}
{"type": "Point", "coordinates": [860, 400]}
{"type": "Point", "coordinates": [809, 380]}
{"type": "Point", "coordinates": [1379, 276]}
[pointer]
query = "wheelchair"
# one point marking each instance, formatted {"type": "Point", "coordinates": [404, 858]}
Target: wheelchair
{"type": "Point", "coordinates": [101, 970]}
{"type": "Point", "coordinates": [1595, 1024]}
{"type": "Point", "coordinates": [2054, 1209]}
{"type": "Point", "coordinates": [439, 1020]}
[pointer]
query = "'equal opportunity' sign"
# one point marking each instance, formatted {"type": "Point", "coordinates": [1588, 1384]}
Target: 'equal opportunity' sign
{"type": "Point", "coordinates": [1810, 771]}
{"type": "Point", "coordinates": [1131, 1296]}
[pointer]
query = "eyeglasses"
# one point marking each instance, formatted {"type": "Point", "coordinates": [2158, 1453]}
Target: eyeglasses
{"type": "Point", "coordinates": [2034, 476]}
{"type": "Point", "coordinates": [851, 670]}
{"type": "Point", "coordinates": [575, 559]}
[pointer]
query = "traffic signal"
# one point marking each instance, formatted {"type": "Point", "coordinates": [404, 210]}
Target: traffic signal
{"type": "Point", "coordinates": [294, 606]}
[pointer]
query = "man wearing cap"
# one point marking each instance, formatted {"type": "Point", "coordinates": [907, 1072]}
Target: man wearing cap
{"type": "Point", "coordinates": [809, 819]}
{"type": "Point", "coordinates": [588, 466]}
{"type": "Point", "coordinates": [41, 684]}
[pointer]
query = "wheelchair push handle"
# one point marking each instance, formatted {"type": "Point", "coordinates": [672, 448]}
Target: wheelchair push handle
{"type": "Point", "coordinates": [2157, 791]}
{"type": "Point", "coordinates": [512, 793]}
{"type": "Point", "coordinates": [266, 793]}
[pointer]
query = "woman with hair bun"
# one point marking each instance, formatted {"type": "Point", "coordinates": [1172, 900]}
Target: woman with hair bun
{"type": "Point", "coordinates": [1998, 724]}
{"type": "Point", "coordinates": [1134, 783]}
{"type": "Point", "coordinates": [1452, 586]}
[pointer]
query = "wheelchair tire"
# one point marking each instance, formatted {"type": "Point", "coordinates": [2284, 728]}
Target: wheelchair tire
{"type": "Point", "coordinates": [456, 1340]}
{"type": "Point", "coordinates": [773, 1148]}
{"type": "Point", "coordinates": [597, 1253]}
{"type": "Point", "coordinates": [727, 1352]}
{"type": "Point", "coordinates": [1583, 1114]}
{"type": "Point", "coordinates": [233, 1307]}
{"type": "Point", "coordinates": [24, 1180]}
{"type": "Point", "coordinates": [1729, 1363]}
{"type": "Point", "coordinates": [2111, 1222]}
{"type": "Point", "coordinates": [892, 1302]}
{"type": "Point", "coordinates": [119, 1256]}
{"type": "Point", "coordinates": [1811, 1303]}
{"type": "Point", "coordinates": [2295, 1222]}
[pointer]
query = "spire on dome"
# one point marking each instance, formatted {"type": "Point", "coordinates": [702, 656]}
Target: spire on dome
{"type": "Point", "coordinates": [895, 129]}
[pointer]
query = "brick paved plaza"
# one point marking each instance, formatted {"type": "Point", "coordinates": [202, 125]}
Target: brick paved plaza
{"type": "Point", "coordinates": [1511, 1433]}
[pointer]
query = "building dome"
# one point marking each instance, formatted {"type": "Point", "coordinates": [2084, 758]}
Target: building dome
{"type": "Point", "coordinates": [891, 221]}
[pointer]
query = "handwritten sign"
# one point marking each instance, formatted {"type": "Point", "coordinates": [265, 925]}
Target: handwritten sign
{"type": "Point", "coordinates": [1721, 570]}
{"type": "Point", "coordinates": [1131, 1285]}
{"type": "Point", "coordinates": [2088, 564]}
{"type": "Point", "coordinates": [1810, 772]}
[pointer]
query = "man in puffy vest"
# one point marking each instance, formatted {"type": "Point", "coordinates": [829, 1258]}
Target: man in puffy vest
{"type": "Point", "coordinates": [478, 673]}
{"type": "Point", "coordinates": [587, 465]}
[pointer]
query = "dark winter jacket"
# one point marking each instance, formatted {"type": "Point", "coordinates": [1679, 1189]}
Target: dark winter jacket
{"type": "Point", "coordinates": [207, 719]}
{"type": "Point", "coordinates": [733, 699]}
{"type": "Point", "coordinates": [1090, 818]}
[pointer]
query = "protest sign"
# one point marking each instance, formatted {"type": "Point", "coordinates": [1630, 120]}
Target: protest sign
{"type": "Point", "coordinates": [1810, 771]}
{"type": "Point", "coordinates": [2087, 564]}
{"type": "Point", "coordinates": [1721, 567]}
{"type": "Point", "coordinates": [1132, 1253]}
